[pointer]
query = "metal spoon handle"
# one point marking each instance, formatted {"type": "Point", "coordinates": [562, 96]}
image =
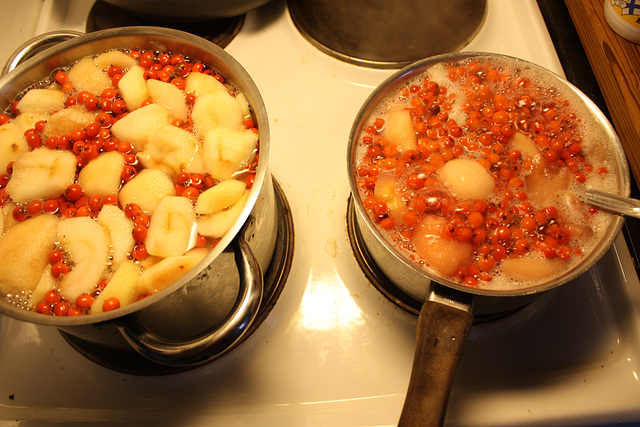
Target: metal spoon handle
{"type": "Point", "coordinates": [618, 204]}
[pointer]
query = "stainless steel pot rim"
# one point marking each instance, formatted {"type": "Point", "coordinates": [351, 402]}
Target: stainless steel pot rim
{"type": "Point", "coordinates": [161, 39]}
{"type": "Point", "coordinates": [421, 66]}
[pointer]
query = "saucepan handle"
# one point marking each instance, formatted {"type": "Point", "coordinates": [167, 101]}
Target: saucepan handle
{"type": "Point", "coordinates": [219, 339]}
{"type": "Point", "coordinates": [443, 326]}
{"type": "Point", "coordinates": [36, 45]}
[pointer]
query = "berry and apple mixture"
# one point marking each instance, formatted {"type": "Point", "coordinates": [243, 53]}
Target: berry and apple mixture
{"type": "Point", "coordinates": [474, 169]}
{"type": "Point", "coordinates": [117, 176]}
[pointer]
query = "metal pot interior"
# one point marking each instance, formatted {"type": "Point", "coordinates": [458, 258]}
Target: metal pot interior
{"type": "Point", "coordinates": [415, 280]}
{"type": "Point", "coordinates": [43, 66]}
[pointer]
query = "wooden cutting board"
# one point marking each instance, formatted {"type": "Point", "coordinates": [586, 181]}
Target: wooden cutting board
{"type": "Point", "coordinates": [616, 65]}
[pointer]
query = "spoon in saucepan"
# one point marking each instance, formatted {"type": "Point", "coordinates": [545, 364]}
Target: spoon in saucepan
{"type": "Point", "coordinates": [617, 204]}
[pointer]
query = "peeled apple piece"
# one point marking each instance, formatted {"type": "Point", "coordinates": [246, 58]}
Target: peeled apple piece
{"type": "Point", "coordinates": [119, 229]}
{"type": "Point", "coordinates": [146, 189]}
{"type": "Point", "coordinates": [171, 227]}
{"type": "Point", "coordinates": [12, 144]}
{"type": "Point", "coordinates": [46, 283]}
{"type": "Point", "coordinates": [532, 269]}
{"type": "Point", "coordinates": [123, 285]}
{"type": "Point", "coordinates": [65, 121]}
{"type": "Point", "coordinates": [174, 149]}
{"type": "Point", "coordinates": [225, 151]}
{"type": "Point", "coordinates": [158, 276]}
{"type": "Point", "coordinates": [114, 57]}
{"type": "Point", "coordinates": [446, 256]}
{"type": "Point", "coordinates": [217, 224]}
{"type": "Point", "coordinates": [133, 87]}
{"type": "Point", "coordinates": [526, 146]}
{"type": "Point", "coordinates": [467, 179]}
{"type": "Point", "coordinates": [169, 96]}
{"type": "Point", "coordinates": [385, 190]}
{"type": "Point", "coordinates": [41, 174]}
{"type": "Point", "coordinates": [87, 245]}
{"type": "Point", "coordinates": [545, 183]}
{"type": "Point", "coordinates": [21, 270]}
{"type": "Point", "coordinates": [86, 75]}
{"type": "Point", "coordinates": [138, 125]}
{"type": "Point", "coordinates": [26, 121]}
{"type": "Point", "coordinates": [220, 197]}
{"type": "Point", "coordinates": [399, 131]}
{"type": "Point", "coordinates": [103, 175]}
{"type": "Point", "coordinates": [200, 83]}
{"type": "Point", "coordinates": [42, 101]}
{"type": "Point", "coordinates": [7, 215]}
{"type": "Point", "coordinates": [216, 110]}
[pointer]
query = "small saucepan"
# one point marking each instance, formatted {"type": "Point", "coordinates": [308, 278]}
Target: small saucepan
{"type": "Point", "coordinates": [409, 175]}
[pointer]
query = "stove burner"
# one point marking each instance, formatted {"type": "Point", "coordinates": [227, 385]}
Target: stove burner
{"type": "Point", "coordinates": [219, 30]}
{"type": "Point", "coordinates": [489, 307]}
{"type": "Point", "coordinates": [130, 362]}
{"type": "Point", "coordinates": [387, 34]}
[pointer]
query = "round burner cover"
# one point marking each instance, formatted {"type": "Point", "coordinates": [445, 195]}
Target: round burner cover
{"type": "Point", "coordinates": [217, 30]}
{"type": "Point", "coordinates": [387, 34]}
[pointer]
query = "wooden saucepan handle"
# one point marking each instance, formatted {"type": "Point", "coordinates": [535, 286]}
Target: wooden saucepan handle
{"type": "Point", "coordinates": [441, 334]}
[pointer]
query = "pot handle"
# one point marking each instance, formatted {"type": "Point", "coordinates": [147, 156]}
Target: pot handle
{"type": "Point", "coordinates": [219, 339]}
{"type": "Point", "coordinates": [36, 45]}
{"type": "Point", "coordinates": [443, 327]}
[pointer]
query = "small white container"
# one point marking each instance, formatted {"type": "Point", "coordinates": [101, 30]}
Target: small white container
{"type": "Point", "coordinates": [624, 18]}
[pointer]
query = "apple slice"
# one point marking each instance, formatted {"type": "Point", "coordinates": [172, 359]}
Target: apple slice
{"type": "Point", "coordinates": [385, 190]}
{"type": "Point", "coordinates": [42, 101]}
{"type": "Point", "coordinates": [467, 179]}
{"type": "Point", "coordinates": [225, 151]}
{"type": "Point", "coordinates": [26, 121]}
{"type": "Point", "coordinates": [526, 146]}
{"type": "Point", "coordinates": [65, 121]}
{"type": "Point", "coordinates": [103, 175]}
{"type": "Point", "coordinates": [544, 183]}
{"type": "Point", "coordinates": [398, 129]}
{"type": "Point", "coordinates": [41, 174]}
{"type": "Point", "coordinates": [21, 270]}
{"type": "Point", "coordinates": [133, 87]}
{"type": "Point", "coordinates": [173, 149]}
{"type": "Point", "coordinates": [532, 269]}
{"type": "Point", "coordinates": [87, 245]}
{"type": "Point", "coordinates": [171, 227]}
{"type": "Point", "coordinates": [114, 57]}
{"type": "Point", "coordinates": [219, 197]}
{"type": "Point", "coordinates": [46, 283]}
{"type": "Point", "coordinates": [200, 83]}
{"type": "Point", "coordinates": [216, 110]}
{"type": "Point", "coordinates": [86, 75]}
{"type": "Point", "coordinates": [123, 285]}
{"type": "Point", "coordinates": [218, 224]}
{"type": "Point", "coordinates": [119, 230]}
{"type": "Point", "coordinates": [138, 125]}
{"type": "Point", "coordinates": [169, 270]}
{"type": "Point", "coordinates": [12, 144]}
{"type": "Point", "coordinates": [147, 189]}
{"type": "Point", "coordinates": [443, 255]}
{"type": "Point", "coordinates": [169, 96]}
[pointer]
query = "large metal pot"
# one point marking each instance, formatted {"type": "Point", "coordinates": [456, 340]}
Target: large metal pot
{"type": "Point", "coordinates": [201, 316]}
{"type": "Point", "coordinates": [447, 313]}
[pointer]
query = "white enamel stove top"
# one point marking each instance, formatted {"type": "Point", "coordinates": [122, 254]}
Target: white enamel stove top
{"type": "Point", "coordinates": [334, 351]}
